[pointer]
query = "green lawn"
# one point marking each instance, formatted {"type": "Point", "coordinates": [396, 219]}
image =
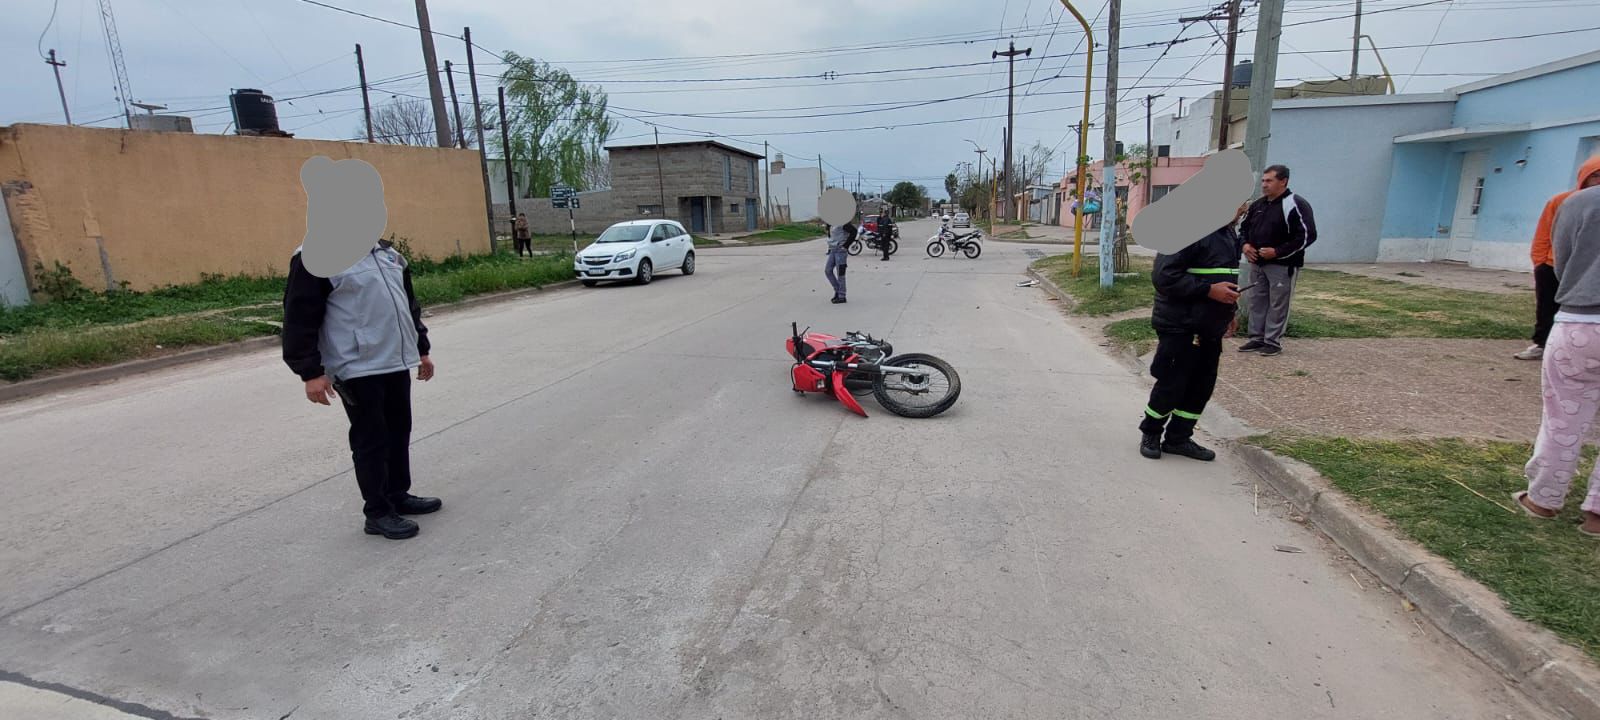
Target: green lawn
{"type": "Point", "coordinates": [1127, 293]}
{"type": "Point", "coordinates": [1546, 571]}
{"type": "Point", "coordinates": [85, 329]}
{"type": "Point", "coordinates": [792, 232]}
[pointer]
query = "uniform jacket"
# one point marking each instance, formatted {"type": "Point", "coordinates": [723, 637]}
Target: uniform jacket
{"type": "Point", "coordinates": [1182, 280]}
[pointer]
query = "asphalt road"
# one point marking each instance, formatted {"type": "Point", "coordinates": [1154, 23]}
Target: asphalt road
{"type": "Point", "coordinates": [642, 521]}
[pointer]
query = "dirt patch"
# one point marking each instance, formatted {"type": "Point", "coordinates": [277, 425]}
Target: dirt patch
{"type": "Point", "coordinates": [1387, 388]}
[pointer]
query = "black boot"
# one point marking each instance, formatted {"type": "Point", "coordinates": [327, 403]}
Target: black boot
{"type": "Point", "coordinates": [391, 526]}
{"type": "Point", "coordinates": [413, 505]}
{"type": "Point", "coordinates": [1150, 446]}
{"type": "Point", "coordinates": [1190, 449]}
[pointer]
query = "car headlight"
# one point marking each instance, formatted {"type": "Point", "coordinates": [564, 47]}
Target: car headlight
{"type": "Point", "coordinates": [625, 255]}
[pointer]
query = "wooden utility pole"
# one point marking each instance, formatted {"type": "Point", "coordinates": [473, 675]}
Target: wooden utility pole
{"type": "Point", "coordinates": [1227, 76]}
{"type": "Point", "coordinates": [477, 123]}
{"type": "Point", "coordinates": [661, 180]}
{"type": "Point", "coordinates": [1263, 78]}
{"type": "Point", "coordinates": [1011, 89]}
{"type": "Point", "coordinates": [767, 194]}
{"type": "Point", "coordinates": [455, 102]}
{"type": "Point", "coordinates": [57, 65]}
{"type": "Point", "coordinates": [505, 144]}
{"type": "Point", "coordinates": [1109, 225]}
{"type": "Point", "coordinates": [366, 104]}
{"type": "Point", "coordinates": [441, 123]}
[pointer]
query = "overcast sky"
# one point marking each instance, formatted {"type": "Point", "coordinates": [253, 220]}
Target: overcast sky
{"type": "Point", "coordinates": [188, 54]}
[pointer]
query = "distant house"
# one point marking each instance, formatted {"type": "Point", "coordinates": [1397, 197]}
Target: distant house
{"type": "Point", "coordinates": [793, 191]}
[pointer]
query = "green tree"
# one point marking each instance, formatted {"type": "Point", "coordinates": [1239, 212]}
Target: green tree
{"type": "Point", "coordinates": [557, 127]}
{"type": "Point", "coordinates": [951, 182]}
{"type": "Point", "coordinates": [906, 195]}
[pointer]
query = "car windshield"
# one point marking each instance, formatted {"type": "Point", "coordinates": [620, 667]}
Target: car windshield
{"type": "Point", "coordinates": [624, 234]}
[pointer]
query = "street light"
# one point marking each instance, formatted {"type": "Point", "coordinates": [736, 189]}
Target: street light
{"type": "Point", "coordinates": [1083, 149]}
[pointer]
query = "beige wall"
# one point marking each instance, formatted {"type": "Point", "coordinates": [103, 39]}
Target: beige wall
{"type": "Point", "coordinates": [167, 207]}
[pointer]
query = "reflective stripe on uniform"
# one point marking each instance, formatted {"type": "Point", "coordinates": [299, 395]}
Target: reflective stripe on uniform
{"type": "Point", "coordinates": [1186, 415]}
{"type": "Point", "coordinates": [1154, 414]}
{"type": "Point", "coordinates": [1214, 271]}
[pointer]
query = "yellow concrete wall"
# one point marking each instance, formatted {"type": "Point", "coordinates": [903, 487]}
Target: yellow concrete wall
{"type": "Point", "coordinates": [168, 207]}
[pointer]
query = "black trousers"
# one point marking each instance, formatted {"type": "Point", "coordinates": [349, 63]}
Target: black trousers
{"type": "Point", "coordinates": [524, 244]}
{"type": "Point", "coordinates": [1544, 289]}
{"type": "Point", "coordinates": [1185, 368]}
{"type": "Point", "coordinates": [379, 408]}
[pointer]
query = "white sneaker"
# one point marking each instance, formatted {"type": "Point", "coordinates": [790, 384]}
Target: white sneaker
{"type": "Point", "coordinates": [1534, 352]}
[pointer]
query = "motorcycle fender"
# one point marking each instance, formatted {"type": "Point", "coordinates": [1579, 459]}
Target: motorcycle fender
{"type": "Point", "coordinates": [843, 393]}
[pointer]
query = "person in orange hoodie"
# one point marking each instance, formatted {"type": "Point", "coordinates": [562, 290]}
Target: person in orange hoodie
{"type": "Point", "coordinates": [1544, 264]}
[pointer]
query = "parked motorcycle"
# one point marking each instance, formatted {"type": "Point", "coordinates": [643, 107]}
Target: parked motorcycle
{"type": "Point", "coordinates": [870, 239]}
{"type": "Point", "coordinates": [966, 244]}
{"type": "Point", "coordinates": [913, 385]}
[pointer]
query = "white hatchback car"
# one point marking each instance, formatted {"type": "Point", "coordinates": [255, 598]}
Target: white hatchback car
{"type": "Point", "coordinates": [636, 250]}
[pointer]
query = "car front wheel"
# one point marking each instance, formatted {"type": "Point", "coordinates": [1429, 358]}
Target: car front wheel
{"type": "Point", "coordinates": [646, 272]}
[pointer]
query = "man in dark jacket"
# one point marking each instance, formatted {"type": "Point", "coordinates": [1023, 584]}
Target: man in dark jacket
{"type": "Point", "coordinates": [356, 335]}
{"type": "Point", "coordinates": [1195, 296]}
{"type": "Point", "coordinates": [1277, 229]}
{"type": "Point", "coordinates": [885, 230]}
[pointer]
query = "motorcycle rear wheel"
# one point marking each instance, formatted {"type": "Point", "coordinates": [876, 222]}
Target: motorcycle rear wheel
{"type": "Point", "coordinates": [972, 250]}
{"type": "Point", "coordinates": [894, 247]}
{"type": "Point", "coordinates": [936, 248]}
{"type": "Point", "coordinates": [918, 396]}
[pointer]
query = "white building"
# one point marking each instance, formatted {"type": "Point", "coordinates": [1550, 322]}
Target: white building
{"type": "Point", "coordinates": [794, 191]}
{"type": "Point", "coordinates": [1188, 135]}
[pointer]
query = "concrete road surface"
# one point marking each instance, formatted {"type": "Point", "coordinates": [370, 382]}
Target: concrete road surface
{"type": "Point", "coordinates": [642, 521]}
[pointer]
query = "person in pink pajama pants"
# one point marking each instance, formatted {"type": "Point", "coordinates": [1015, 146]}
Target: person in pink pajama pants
{"type": "Point", "coordinates": [1571, 368]}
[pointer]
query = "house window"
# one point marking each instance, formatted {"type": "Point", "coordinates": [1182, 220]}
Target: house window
{"type": "Point", "coordinates": [727, 173]}
{"type": "Point", "coordinates": [753, 184]}
{"type": "Point", "coordinates": [733, 208]}
{"type": "Point", "coordinates": [1477, 196]}
{"type": "Point", "coordinates": [1160, 191]}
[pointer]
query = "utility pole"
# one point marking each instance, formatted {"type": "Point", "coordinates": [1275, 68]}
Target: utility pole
{"type": "Point", "coordinates": [441, 123]}
{"type": "Point", "coordinates": [1227, 76]}
{"type": "Point", "coordinates": [461, 137]}
{"type": "Point", "coordinates": [477, 123]}
{"type": "Point", "coordinates": [1011, 89]}
{"type": "Point", "coordinates": [1109, 225]}
{"type": "Point", "coordinates": [1005, 212]}
{"type": "Point", "coordinates": [1269, 29]}
{"type": "Point", "coordinates": [57, 65]}
{"type": "Point", "coordinates": [505, 144]}
{"type": "Point", "coordinates": [661, 180]}
{"type": "Point", "coordinates": [821, 174]}
{"type": "Point", "coordinates": [366, 104]}
{"type": "Point", "coordinates": [1355, 46]}
{"type": "Point", "coordinates": [766, 155]}
{"type": "Point", "coordinates": [1149, 151]}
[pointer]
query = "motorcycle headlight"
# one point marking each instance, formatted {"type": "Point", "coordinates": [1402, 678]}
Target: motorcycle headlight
{"type": "Point", "coordinates": [625, 255]}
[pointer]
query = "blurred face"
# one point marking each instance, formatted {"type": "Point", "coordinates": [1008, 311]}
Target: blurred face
{"type": "Point", "coordinates": [1272, 185]}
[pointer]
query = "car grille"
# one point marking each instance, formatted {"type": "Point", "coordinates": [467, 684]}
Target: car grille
{"type": "Point", "coordinates": [597, 260]}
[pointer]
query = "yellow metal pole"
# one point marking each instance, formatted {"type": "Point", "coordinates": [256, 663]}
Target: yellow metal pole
{"type": "Point", "coordinates": [1083, 148]}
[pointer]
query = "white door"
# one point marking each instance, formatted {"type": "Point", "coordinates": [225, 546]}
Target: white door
{"type": "Point", "coordinates": [1469, 200]}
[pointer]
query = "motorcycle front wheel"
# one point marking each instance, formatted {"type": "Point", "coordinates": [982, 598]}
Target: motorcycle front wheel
{"type": "Point", "coordinates": [930, 390]}
{"type": "Point", "coordinates": [972, 250]}
{"type": "Point", "coordinates": [854, 248]}
{"type": "Point", "coordinates": [936, 248]}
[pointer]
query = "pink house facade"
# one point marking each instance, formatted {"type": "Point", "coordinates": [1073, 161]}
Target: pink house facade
{"type": "Point", "coordinates": [1167, 174]}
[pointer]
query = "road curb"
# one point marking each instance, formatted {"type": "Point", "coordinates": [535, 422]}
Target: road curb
{"type": "Point", "coordinates": [112, 373]}
{"type": "Point", "coordinates": [1554, 674]}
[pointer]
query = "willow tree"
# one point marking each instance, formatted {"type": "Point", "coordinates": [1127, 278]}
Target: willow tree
{"type": "Point", "coordinates": [557, 126]}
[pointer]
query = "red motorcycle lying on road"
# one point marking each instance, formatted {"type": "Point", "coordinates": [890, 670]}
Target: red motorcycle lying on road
{"type": "Point", "coordinates": [913, 385]}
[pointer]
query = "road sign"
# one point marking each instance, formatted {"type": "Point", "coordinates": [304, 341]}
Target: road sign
{"type": "Point", "coordinates": [561, 203]}
{"type": "Point", "coordinates": [562, 191]}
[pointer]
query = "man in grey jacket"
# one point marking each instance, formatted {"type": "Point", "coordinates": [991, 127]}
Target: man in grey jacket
{"type": "Point", "coordinates": [356, 335]}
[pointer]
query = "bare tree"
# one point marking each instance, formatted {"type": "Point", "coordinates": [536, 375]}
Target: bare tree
{"type": "Point", "coordinates": [408, 121]}
{"type": "Point", "coordinates": [597, 174]}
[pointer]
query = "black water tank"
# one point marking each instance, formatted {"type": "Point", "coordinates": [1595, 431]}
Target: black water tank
{"type": "Point", "coordinates": [1241, 74]}
{"type": "Point", "coordinates": [253, 111]}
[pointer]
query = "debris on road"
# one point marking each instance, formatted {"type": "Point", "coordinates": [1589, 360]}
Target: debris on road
{"type": "Point", "coordinates": [1287, 549]}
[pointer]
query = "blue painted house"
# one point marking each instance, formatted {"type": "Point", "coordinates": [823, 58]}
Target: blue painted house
{"type": "Point", "coordinates": [1459, 175]}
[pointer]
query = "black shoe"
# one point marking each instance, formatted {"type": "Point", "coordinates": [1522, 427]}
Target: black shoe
{"type": "Point", "coordinates": [1271, 350]}
{"type": "Point", "coordinates": [393, 527]}
{"type": "Point", "coordinates": [1252, 346]}
{"type": "Point", "coordinates": [1150, 447]}
{"type": "Point", "coordinates": [1190, 449]}
{"type": "Point", "coordinates": [413, 505]}
{"type": "Point", "coordinates": [838, 300]}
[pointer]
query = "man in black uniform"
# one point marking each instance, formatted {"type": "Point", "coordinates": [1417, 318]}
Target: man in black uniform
{"type": "Point", "coordinates": [885, 230]}
{"type": "Point", "coordinates": [1196, 292]}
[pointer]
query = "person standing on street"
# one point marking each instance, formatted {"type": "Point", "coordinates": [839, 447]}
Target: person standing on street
{"type": "Point", "coordinates": [1277, 229]}
{"type": "Point", "coordinates": [1544, 271]}
{"type": "Point", "coordinates": [1196, 291]}
{"type": "Point", "coordinates": [839, 239]}
{"type": "Point", "coordinates": [352, 328]}
{"type": "Point", "coordinates": [1571, 367]}
{"type": "Point", "coordinates": [885, 230]}
{"type": "Point", "coordinates": [524, 237]}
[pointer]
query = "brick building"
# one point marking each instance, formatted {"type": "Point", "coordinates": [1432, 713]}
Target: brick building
{"type": "Point", "coordinates": [708, 186]}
